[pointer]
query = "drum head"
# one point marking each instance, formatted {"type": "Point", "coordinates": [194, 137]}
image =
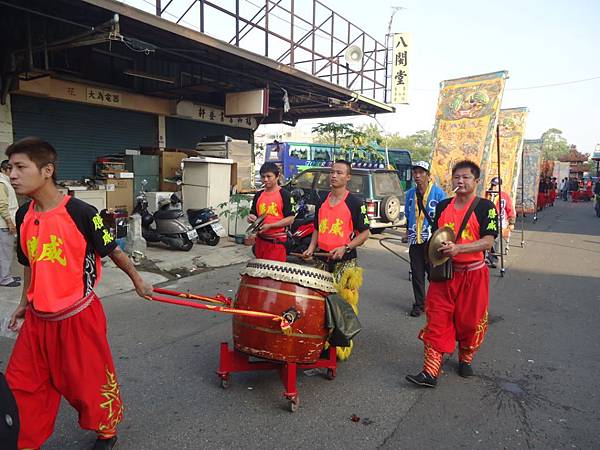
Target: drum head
{"type": "Point", "coordinates": [290, 273]}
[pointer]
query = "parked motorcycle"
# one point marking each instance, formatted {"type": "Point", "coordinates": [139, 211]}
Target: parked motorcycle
{"type": "Point", "coordinates": [168, 224]}
{"type": "Point", "coordinates": [300, 232]}
{"type": "Point", "coordinates": [206, 222]}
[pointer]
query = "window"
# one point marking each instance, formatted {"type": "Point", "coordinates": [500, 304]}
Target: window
{"type": "Point", "coordinates": [323, 182]}
{"type": "Point", "coordinates": [321, 154]}
{"type": "Point", "coordinates": [299, 152]}
{"type": "Point", "coordinates": [304, 180]}
{"type": "Point", "coordinates": [357, 184]}
{"type": "Point", "coordinates": [386, 183]}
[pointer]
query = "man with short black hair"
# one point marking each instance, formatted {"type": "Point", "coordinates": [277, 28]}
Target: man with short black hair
{"type": "Point", "coordinates": [275, 206]}
{"type": "Point", "coordinates": [61, 349]}
{"type": "Point", "coordinates": [456, 309]}
{"type": "Point", "coordinates": [341, 225]}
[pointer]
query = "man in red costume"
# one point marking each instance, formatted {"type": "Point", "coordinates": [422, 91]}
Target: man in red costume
{"type": "Point", "coordinates": [341, 225]}
{"type": "Point", "coordinates": [62, 348]}
{"type": "Point", "coordinates": [457, 309]}
{"type": "Point", "coordinates": [275, 205]}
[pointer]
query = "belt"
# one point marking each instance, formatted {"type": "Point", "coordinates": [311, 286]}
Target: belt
{"type": "Point", "coordinates": [67, 312]}
{"type": "Point", "coordinates": [468, 267]}
{"type": "Point", "coordinates": [272, 240]}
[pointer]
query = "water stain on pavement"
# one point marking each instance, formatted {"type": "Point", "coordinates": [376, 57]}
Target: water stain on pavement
{"type": "Point", "coordinates": [518, 399]}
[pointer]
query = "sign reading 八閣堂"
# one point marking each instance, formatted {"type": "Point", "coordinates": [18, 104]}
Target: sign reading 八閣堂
{"type": "Point", "coordinates": [400, 72]}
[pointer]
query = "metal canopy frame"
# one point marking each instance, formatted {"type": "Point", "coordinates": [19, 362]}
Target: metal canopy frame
{"type": "Point", "coordinates": [327, 61]}
{"type": "Point", "coordinates": [105, 42]}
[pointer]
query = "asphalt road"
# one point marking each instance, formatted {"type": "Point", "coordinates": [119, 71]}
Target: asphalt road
{"type": "Point", "coordinates": [536, 383]}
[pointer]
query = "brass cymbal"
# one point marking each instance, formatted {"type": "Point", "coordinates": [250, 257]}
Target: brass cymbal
{"type": "Point", "coordinates": [254, 226]}
{"type": "Point", "coordinates": [438, 238]}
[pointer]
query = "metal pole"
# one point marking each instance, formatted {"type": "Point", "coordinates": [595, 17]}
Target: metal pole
{"type": "Point", "coordinates": [523, 198]}
{"type": "Point", "coordinates": [267, 28]}
{"type": "Point", "coordinates": [501, 213]}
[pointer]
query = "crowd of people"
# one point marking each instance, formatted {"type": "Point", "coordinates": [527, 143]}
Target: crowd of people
{"type": "Point", "coordinates": [62, 348]}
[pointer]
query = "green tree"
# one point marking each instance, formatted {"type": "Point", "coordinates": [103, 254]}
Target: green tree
{"type": "Point", "coordinates": [554, 145]}
{"type": "Point", "coordinates": [420, 144]}
{"type": "Point", "coordinates": [333, 133]}
{"type": "Point", "coordinates": [349, 138]}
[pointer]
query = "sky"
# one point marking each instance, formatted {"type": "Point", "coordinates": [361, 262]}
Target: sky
{"type": "Point", "coordinates": [537, 42]}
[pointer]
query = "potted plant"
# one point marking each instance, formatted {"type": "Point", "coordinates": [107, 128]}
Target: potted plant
{"type": "Point", "coordinates": [238, 207]}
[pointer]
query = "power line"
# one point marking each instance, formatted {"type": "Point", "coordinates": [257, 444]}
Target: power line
{"type": "Point", "coordinates": [562, 83]}
{"type": "Point", "coordinates": [539, 86]}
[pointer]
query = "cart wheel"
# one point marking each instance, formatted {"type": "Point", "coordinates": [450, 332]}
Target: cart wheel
{"type": "Point", "coordinates": [294, 404]}
{"type": "Point", "coordinates": [330, 374]}
{"type": "Point", "coordinates": [225, 382]}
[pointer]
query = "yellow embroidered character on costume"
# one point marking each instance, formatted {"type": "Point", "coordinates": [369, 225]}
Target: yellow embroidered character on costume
{"type": "Point", "coordinates": [336, 228]}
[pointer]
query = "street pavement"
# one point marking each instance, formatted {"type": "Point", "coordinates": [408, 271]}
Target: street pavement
{"type": "Point", "coordinates": [535, 384]}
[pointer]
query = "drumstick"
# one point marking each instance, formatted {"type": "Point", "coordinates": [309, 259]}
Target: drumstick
{"type": "Point", "coordinates": [320, 254]}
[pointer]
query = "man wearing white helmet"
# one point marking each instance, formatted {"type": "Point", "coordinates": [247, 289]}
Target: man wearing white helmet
{"type": "Point", "coordinates": [420, 204]}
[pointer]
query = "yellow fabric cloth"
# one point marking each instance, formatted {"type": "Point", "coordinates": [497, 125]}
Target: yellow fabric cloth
{"type": "Point", "coordinates": [420, 215]}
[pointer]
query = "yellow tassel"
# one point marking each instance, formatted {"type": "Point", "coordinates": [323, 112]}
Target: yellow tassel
{"type": "Point", "coordinates": [343, 353]}
{"type": "Point", "coordinates": [347, 288]}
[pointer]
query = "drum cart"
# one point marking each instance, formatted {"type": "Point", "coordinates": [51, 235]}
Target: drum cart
{"type": "Point", "coordinates": [272, 297]}
{"type": "Point", "coordinates": [232, 361]}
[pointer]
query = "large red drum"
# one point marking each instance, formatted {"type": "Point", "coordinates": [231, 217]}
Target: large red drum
{"type": "Point", "coordinates": [282, 288]}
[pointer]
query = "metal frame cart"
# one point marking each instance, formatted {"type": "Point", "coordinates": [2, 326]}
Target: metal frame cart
{"type": "Point", "coordinates": [232, 361]}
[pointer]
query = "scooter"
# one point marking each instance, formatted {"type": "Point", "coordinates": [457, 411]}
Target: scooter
{"type": "Point", "coordinates": [300, 232]}
{"type": "Point", "coordinates": [206, 222]}
{"type": "Point", "coordinates": [167, 225]}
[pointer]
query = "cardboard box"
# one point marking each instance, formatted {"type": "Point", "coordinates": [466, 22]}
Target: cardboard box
{"type": "Point", "coordinates": [170, 163]}
{"type": "Point", "coordinates": [123, 175]}
{"type": "Point", "coordinates": [119, 194]}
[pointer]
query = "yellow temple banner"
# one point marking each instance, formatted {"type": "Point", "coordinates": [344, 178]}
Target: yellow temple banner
{"type": "Point", "coordinates": [465, 123]}
{"type": "Point", "coordinates": [511, 123]}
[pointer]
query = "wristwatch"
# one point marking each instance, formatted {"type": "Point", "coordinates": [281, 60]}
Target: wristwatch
{"type": "Point", "coordinates": [348, 248]}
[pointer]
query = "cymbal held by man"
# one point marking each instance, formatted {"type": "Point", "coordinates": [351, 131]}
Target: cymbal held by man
{"type": "Point", "coordinates": [457, 309]}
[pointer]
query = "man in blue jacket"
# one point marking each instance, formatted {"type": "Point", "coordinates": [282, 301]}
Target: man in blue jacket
{"type": "Point", "coordinates": [420, 204]}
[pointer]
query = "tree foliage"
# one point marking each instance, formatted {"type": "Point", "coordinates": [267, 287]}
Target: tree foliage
{"type": "Point", "coordinates": [554, 145]}
{"type": "Point", "coordinates": [420, 144]}
{"type": "Point", "coordinates": [348, 137]}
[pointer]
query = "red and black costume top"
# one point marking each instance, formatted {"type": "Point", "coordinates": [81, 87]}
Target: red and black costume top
{"type": "Point", "coordinates": [63, 248]}
{"type": "Point", "coordinates": [337, 225]}
{"type": "Point", "coordinates": [274, 206]}
{"type": "Point", "coordinates": [483, 222]}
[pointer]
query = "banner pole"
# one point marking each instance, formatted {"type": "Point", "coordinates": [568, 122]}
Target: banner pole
{"type": "Point", "coordinates": [501, 212]}
{"type": "Point", "coordinates": [523, 198]}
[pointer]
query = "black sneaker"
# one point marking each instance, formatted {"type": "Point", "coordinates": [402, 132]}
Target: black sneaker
{"type": "Point", "coordinates": [416, 311]}
{"type": "Point", "coordinates": [105, 444]}
{"type": "Point", "coordinates": [465, 369]}
{"type": "Point", "coordinates": [422, 379]}
{"type": "Point", "coordinates": [13, 283]}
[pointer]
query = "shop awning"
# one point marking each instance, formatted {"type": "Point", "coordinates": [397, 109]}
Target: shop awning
{"type": "Point", "coordinates": [144, 53]}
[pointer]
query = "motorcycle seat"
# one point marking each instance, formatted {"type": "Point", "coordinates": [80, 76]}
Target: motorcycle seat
{"type": "Point", "coordinates": [198, 211]}
{"type": "Point", "coordinates": [168, 214]}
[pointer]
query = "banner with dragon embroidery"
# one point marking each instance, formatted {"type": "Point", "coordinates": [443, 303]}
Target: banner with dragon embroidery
{"type": "Point", "coordinates": [511, 123]}
{"type": "Point", "coordinates": [529, 176]}
{"type": "Point", "coordinates": [465, 124]}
